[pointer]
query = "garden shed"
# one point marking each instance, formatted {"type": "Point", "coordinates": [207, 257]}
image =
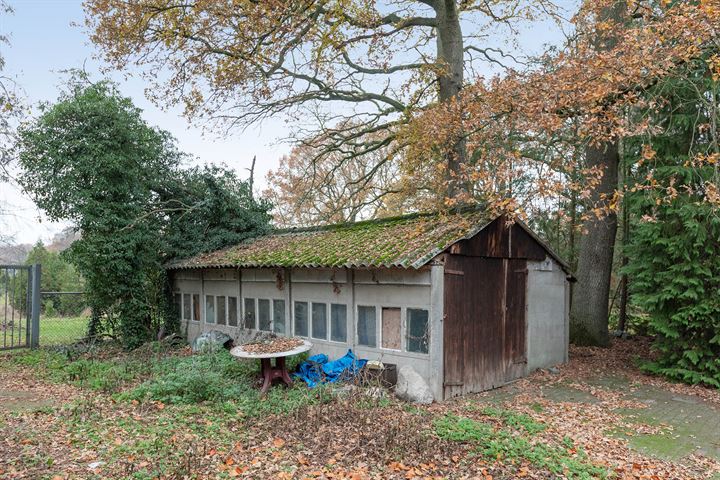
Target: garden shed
{"type": "Point", "coordinates": [470, 301]}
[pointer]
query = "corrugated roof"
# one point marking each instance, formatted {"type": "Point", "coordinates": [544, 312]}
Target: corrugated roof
{"type": "Point", "coordinates": [409, 242]}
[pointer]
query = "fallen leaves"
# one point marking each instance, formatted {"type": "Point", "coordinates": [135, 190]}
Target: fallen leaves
{"type": "Point", "coordinates": [351, 438]}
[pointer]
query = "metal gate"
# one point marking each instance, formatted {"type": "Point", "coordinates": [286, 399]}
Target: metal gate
{"type": "Point", "coordinates": [19, 306]}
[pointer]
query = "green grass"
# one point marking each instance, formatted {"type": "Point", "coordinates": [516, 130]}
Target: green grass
{"type": "Point", "coordinates": [216, 378]}
{"type": "Point", "coordinates": [512, 443]}
{"type": "Point", "coordinates": [62, 330]}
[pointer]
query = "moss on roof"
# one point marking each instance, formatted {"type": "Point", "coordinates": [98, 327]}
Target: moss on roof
{"type": "Point", "coordinates": [409, 241]}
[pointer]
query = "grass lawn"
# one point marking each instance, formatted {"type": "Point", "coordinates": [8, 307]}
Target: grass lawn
{"type": "Point", "coordinates": [62, 330]}
{"type": "Point", "coordinates": [161, 412]}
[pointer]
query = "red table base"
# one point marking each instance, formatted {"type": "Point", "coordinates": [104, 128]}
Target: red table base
{"type": "Point", "coordinates": [268, 373]}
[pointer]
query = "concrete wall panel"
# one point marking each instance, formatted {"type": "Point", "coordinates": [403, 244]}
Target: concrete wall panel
{"type": "Point", "coordinates": [547, 314]}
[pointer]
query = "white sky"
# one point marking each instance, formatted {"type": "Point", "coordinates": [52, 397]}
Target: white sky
{"type": "Point", "coordinates": [44, 42]}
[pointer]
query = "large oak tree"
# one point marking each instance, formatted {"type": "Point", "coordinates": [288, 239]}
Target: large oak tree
{"type": "Point", "coordinates": [352, 70]}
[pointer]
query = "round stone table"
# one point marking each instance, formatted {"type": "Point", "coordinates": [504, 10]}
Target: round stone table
{"type": "Point", "coordinates": [269, 372]}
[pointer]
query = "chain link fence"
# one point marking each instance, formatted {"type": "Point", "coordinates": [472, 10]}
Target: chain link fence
{"type": "Point", "coordinates": [64, 318]}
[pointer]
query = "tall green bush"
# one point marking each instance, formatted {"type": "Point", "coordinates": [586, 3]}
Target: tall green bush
{"type": "Point", "coordinates": [675, 246]}
{"type": "Point", "coordinates": [92, 160]}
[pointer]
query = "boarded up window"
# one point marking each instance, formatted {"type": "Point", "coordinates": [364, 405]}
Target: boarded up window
{"type": "Point", "coordinates": [319, 320]}
{"type": "Point", "coordinates": [264, 314]}
{"type": "Point", "coordinates": [196, 307]}
{"type": "Point", "coordinates": [279, 316]}
{"type": "Point", "coordinates": [418, 334]}
{"type": "Point", "coordinates": [338, 322]}
{"type": "Point", "coordinates": [301, 319]}
{"type": "Point", "coordinates": [221, 314]}
{"type": "Point", "coordinates": [232, 311]}
{"type": "Point", "coordinates": [249, 313]}
{"type": "Point", "coordinates": [366, 329]}
{"type": "Point", "coordinates": [209, 309]}
{"type": "Point", "coordinates": [391, 337]}
{"type": "Point", "coordinates": [187, 307]}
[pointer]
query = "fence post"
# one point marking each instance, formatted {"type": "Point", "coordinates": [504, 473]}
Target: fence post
{"type": "Point", "coordinates": [35, 330]}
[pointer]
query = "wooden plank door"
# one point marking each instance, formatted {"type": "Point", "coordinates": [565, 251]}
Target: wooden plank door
{"type": "Point", "coordinates": [515, 351]}
{"type": "Point", "coordinates": [485, 325]}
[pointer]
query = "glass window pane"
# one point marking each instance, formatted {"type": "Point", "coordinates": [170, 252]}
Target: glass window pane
{"type": "Point", "coordinates": [264, 314]}
{"type": "Point", "coordinates": [301, 319]}
{"type": "Point", "coordinates": [250, 313]}
{"type": "Point", "coordinates": [391, 328]}
{"type": "Point", "coordinates": [232, 311]}
{"type": "Point", "coordinates": [279, 316]}
{"type": "Point", "coordinates": [319, 320]}
{"type": "Point", "coordinates": [177, 301]}
{"type": "Point", "coordinates": [418, 335]}
{"type": "Point", "coordinates": [196, 307]}
{"type": "Point", "coordinates": [220, 304]}
{"type": "Point", "coordinates": [366, 329]}
{"type": "Point", "coordinates": [338, 322]}
{"type": "Point", "coordinates": [209, 309]}
{"type": "Point", "coordinates": [187, 306]}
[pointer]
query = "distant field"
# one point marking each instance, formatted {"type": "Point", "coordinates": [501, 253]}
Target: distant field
{"type": "Point", "coordinates": [62, 330]}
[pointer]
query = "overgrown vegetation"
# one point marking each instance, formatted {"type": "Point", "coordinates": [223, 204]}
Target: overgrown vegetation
{"type": "Point", "coordinates": [92, 160]}
{"type": "Point", "coordinates": [156, 374]}
{"type": "Point", "coordinates": [675, 249]}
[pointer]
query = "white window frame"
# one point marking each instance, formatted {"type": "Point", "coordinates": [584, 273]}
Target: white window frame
{"type": "Point", "coordinates": [347, 321]}
{"type": "Point", "coordinates": [379, 331]}
{"type": "Point", "coordinates": [272, 316]}
{"type": "Point", "coordinates": [204, 312]}
{"type": "Point", "coordinates": [244, 312]}
{"type": "Point", "coordinates": [429, 330]}
{"type": "Point", "coordinates": [312, 320]}
{"type": "Point", "coordinates": [308, 318]}
{"type": "Point", "coordinates": [357, 322]}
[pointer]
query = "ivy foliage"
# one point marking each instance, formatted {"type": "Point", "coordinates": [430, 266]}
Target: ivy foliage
{"type": "Point", "coordinates": [674, 252]}
{"type": "Point", "coordinates": [92, 160]}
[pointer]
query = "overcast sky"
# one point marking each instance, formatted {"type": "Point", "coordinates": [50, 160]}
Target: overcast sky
{"type": "Point", "coordinates": [44, 42]}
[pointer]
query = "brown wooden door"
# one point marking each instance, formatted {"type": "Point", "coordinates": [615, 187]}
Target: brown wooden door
{"type": "Point", "coordinates": [484, 330]}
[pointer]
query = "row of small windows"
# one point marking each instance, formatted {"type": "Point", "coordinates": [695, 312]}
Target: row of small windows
{"type": "Point", "coordinates": [317, 320]}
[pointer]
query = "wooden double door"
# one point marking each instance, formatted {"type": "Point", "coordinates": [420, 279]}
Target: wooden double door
{"type": "Point", "coordinates": [485, 326]}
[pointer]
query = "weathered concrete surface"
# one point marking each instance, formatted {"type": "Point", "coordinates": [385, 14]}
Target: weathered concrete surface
{"type": "Point", "coordinates": [688, 424]}
{"type": "Point", "coordinates": [691, 425]}
{"type": "Point", "coordinates": [547, 315]}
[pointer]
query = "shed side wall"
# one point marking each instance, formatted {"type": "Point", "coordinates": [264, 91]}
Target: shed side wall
{"type": "Point", "coordinates": [547, 315]}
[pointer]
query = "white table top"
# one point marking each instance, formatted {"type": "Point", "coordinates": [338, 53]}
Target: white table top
{"type": "Point", "coordinates": [240, 352]}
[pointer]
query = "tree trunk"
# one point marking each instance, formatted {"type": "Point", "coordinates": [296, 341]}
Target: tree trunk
{"type": "Point", "coordinates": [450, 55]}
{"type": "Point", "coordinates": [589, 310]}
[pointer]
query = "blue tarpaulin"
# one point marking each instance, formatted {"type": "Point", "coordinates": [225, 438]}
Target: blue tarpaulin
{"type": "Point", "coordinates": [317, 369]}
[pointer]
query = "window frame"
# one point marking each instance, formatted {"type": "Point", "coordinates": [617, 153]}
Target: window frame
{"type": "Point", "coordinates": [225, 310]}
{"type": "Point", "coordinates": [357, 324]}
{"type": "Point", "coordinates": [307, 318]}
{"type": "Point", "coordinates": [205, 304]}
{"type": "Point", "coordinates": [406, 334]}
{"type": "Point", "coordinates": [245, 312]}
{"type": "Point", "coordinates": [196, 311]}
{"type": "Point", "coordinates": [330, 324]}
{"type": "Point", "coordinates": [379, 323]}
{"type": "Point", "coordinates": [312, 321]}
{"type": "Point", "coordinates": [269, 312]}
{"type": "Point", "coordinates": [237, 316]}
{"type": "Point", "coordinates": [273, 301]}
